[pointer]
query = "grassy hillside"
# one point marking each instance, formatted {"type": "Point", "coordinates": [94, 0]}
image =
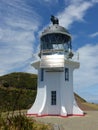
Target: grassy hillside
{"type": "Point", "coordinates": [16, 99]}
{"type": "Point", "coordinates": [79, 99]}
{"type": "Point", "coordinates": [84, 105]}
{"type": "Point", "coordinates": [17, 91]}
{"type": "Point", "coordinates": [19, 80]}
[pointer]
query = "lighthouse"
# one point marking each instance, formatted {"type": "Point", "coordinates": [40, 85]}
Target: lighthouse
{"type": "Point", "coordinates": [55, 96]}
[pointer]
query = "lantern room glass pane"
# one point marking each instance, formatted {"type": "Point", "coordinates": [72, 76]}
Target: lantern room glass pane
{"type": "Point", "coordinates": [55, 41]}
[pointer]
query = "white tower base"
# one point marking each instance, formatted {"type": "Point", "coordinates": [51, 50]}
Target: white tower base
{"type": "Point", "coordinates": [55, 96]}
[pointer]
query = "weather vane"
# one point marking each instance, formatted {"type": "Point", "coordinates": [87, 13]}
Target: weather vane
{"type": "Point", "coordinates": [54, 20]}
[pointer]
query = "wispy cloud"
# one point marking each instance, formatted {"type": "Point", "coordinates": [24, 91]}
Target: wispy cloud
{"type": "Point", "coordinates": [87, 75]}
{"type": "Point", "coordinates": [75, 11]}
{"type": "Point", "coordinates": [49, 1]}
{"type": "Point", "coordinates": [17, 35]}
{"type": "Point", "coordinates": [93, 35]}
{"type": "Point", "coordinates": [95, 1]}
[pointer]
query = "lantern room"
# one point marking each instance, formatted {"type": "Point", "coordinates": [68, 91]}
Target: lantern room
{"type": "Point", "coordinates": [55, 39]}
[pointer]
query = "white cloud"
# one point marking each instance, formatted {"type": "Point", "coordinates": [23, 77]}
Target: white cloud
{"type": "Point", "coordinates": [95, 1]}
{"type": "Point", "coordinates": [16, 48]}
{"type": "Point", "coordinates": [47, 3]}
{"type": "Point", "coordinates": [50, 1]}
{"type": "Point", "coordinates": [87, 75]}
{"type": "Point", "coordinates": [17, 36]}
{"type": "Point", "coordinates": [94, 34]}
{"type": "Point", "coordinates": [75, 11]}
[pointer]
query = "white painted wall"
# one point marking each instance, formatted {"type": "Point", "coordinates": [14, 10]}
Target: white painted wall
{"type": "Point", "coordinates": [54, 80]}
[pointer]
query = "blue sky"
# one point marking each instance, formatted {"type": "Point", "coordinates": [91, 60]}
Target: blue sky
{"type": "Point", "coordinates": [21, 22]}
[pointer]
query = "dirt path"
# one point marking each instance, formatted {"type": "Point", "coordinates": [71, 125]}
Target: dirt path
{"type": "Point", "coordinates": [87, 122]}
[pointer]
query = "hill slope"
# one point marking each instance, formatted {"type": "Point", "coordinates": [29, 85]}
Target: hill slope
{"type": "Point", "coordinates": [19, 80]}
{"type": "Point", "coordinates": [84, 105]}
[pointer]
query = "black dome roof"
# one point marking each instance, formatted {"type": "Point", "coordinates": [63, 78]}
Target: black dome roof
{"type": "Point", "coordinates": [56, 29]}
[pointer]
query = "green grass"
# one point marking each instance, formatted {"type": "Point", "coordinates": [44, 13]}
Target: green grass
{"type": "Point", "coordinates": [16, 99]}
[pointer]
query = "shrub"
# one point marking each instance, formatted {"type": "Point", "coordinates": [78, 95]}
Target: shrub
{"type": "Point", "coordinates": [18, 122]}
{"type": "Point", "coordinates": [21, 122]}
{"type": "Point", "coordinates": [6, 84]}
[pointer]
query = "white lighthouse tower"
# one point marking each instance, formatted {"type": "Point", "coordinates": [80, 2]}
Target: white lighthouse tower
{"type": "Point", "coordinates": [55, 94]}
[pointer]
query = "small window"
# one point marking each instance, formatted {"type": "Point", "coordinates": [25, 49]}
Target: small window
{"type": "Point", "coordinates": [53, 97]}
{"type": "Point", "coordinates": [66, 74]}
{"type": "Point", "coordinates": [42, 74]}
